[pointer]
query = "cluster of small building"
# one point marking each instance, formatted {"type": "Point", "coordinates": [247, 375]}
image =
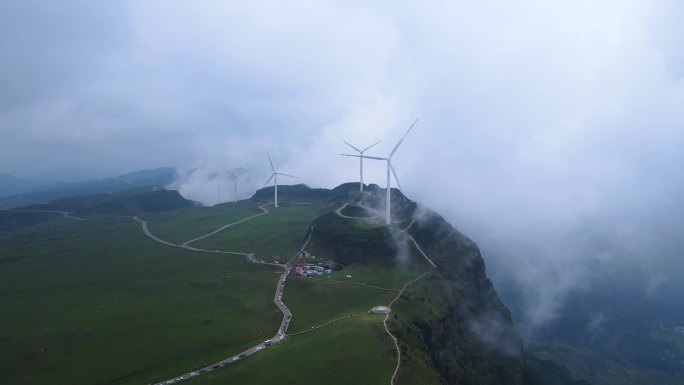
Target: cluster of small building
{"type": "Point", "coordinates": [309, 269]}
{"type": "Point", "coordinates": [302, 269]}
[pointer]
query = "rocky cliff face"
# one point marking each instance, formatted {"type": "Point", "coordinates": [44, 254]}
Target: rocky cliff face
{"type": "Point", "coordinates": [471, 340]}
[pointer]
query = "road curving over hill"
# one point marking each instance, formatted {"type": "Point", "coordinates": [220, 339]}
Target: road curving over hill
{"type": "Point", "coordinates": [277, 299]}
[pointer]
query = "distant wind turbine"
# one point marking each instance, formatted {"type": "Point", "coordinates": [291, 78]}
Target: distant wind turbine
{"type": "Point", "coordinates": [274, 176]}
{"type": "Point", "coordinates": [234, 176]}
{"type": "Point", "coordinates": [389, 168]}
{"type": "Point", "coordinates": [360, 161]}
{"type": "Point", "coordinates": [218, 186]}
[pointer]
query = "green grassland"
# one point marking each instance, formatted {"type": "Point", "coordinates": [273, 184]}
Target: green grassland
{"type": "Point", "coordinates": [365, 224]}
{"type": "Point", "coordinates": [389, 278]}
{"type": "Point", "coordinates": [185, 224]}
{"type": "Point", "coordinates": [281, 233]}
{"type": "Point", "coordinates": [415, 303]}
{"type": "Point", "coordinates": [314, 302]}
{"type": "Point", "coordinates": [97, 302]}
{"type": "Point", "coordinates": [351, 351]}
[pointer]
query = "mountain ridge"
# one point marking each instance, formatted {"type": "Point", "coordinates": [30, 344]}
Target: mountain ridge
{"type": "Point", "coordinates": [38, 195]}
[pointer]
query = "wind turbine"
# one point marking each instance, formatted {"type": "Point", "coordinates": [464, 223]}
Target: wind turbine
{"type": "Point", "coordinates": [361, 161]}
{"type": "Point", "coordinates": [235, 178]}
{"type": "Point", "coordinates": [274, 176]}
{"type": "Point", "coordinates": [389, 168]}
{"type": "Point", "coordinates": [218, 186]}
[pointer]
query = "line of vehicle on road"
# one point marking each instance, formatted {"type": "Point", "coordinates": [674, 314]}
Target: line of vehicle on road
{"type": "Point", "coordinates": [280, 335]}
{"type": "Point", "coordinates": [287, 315]}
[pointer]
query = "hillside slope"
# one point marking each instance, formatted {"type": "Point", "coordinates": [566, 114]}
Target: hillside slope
{"type": "Point", "coordinates": [132, 202]}
{"type": "Point", "coordinates": [453, 321]}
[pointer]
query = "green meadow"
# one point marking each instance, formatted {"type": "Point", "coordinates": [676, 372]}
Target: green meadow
{"type": "Point", "coordinates": [97, 302]}
{"type": "Point", "coordinates": [351, 351]}
{"type": "Point", "coordinates": [185, 224]}
{"type": "Point", "coordinates": [281, 233]}
{"type": "Point", "coordinates": [314, 302]}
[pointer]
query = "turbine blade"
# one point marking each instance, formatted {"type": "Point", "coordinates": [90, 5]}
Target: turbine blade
{"type": "Point", "coordinates": [291, 176]}
{"type": "Point", "coordinates": [230, 173]}
{"type": "Point", "coordinates": [365, 156]}
{"type": "Point", "coordinates": [351, 146]}
{"type": "Point", "coordinates": [269, 161]}
{"type": "Point", "coordinates": [364, 150]}
{"type": "Point", "coordinates": [239, 171]}
{"type": "Point", "coordinates": [402, 138]}
{"type": "Point", "coordinates": [269, 179]}
{"type": "Point", "coordinates": [395, 175]}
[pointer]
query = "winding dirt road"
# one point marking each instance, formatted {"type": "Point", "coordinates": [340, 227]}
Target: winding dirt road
{"type": "Point", "coordinates": [280, 288]}
{"type": "Point", "coordinates": [384, 322]}
{"type": "Point", "coordinates": [263, 209]}
{"type": "Point", "coordinates": [375, 216]}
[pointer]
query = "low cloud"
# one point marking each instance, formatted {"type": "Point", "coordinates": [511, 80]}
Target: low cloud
{"type": "Point", "coordinates": [491, 329]}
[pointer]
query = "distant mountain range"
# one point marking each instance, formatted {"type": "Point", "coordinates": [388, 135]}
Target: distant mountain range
{"type": "Point", "coordinates": [68, 175]}
{"type": "Point", "coordinates": [12, 185]}
{"type": "Point", "coordinates": [129, 202]}
{"type": "Point", "coordinates": [17, 192]}
{"type": "Point", "coordinates": [136, 201]}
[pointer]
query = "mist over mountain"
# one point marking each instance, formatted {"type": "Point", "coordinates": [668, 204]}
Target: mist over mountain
{"type": "Point", "coordinates": [549, 133]}
{"type": "Point", "coordinates": [69, 175]}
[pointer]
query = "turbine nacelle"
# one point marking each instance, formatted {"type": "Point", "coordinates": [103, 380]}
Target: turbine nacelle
{"type": "Point", "coordinates": [389, 164]}
{"type": "Point", "coordinates": [360, 161]}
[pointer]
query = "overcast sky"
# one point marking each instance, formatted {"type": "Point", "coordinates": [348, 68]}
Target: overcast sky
{"type": "Point", "coordinates": [550, 132]}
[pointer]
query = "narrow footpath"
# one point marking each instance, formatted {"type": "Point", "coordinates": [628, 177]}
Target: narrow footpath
{"type": "Point", "coordinates": [384, 322]}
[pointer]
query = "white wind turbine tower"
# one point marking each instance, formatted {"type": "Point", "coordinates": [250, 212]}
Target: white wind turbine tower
{"type": "Point", "coordinates": [361, 160]}
{"type": "Point", "coordinates": [235, 178]}
{"type": "Point", "coordinates": [389, 167]}
{"type": "Point", "coordinates": [274, 176]}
